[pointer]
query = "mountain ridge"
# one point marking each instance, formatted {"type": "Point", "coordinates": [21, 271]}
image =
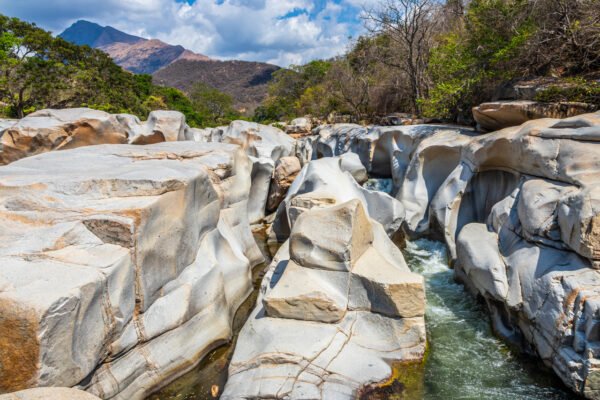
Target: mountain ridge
{"type": "Point", "coordinates": [174, 65]}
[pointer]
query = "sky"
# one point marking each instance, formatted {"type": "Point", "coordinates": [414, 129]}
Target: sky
{"type": "Point", "coordinates": [280, 32]}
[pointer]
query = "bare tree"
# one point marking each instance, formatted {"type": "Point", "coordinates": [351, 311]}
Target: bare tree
{"type": "Point", "coordinates": [410, 25]}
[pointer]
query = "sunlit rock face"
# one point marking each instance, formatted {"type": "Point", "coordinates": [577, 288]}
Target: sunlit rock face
{"type": "Point", "coordinates": [498, 115]}
{"type": "Point", "coordinates": [48, 130]}
{"type": "Point", "coordinates": [54, 393]}
{"type": "Point", "coordinates": [518, 209]}
{"type": "Point", "coordinates": [334, 180]}
{"type": "Point", "coordinates": [384, 151]}
{"type": "Point", "coordinates": [122, 266]}
{"type": "Point", "coordinates": [265, 145]}
{"type": "Point", "coordinates": [337, 304]}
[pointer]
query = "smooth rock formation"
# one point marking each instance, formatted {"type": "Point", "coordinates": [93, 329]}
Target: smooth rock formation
{"type": "Point", "coordinates": [519, 211]}
{"type": "Point", "coordinates": [323, 333]}
{"type": "Point", "coordinates": [334, 180]}
{"type": "Point", "coordinates": [265, 144]}
{"type": "Point", "coordinates": [47, 130]}
{"type": "Point", "coordinates": [50, 393]}
{"type": "Point", "coordinates": [122, 266]}
{"type": "Point", "coordinates": [498, 115]}
{"type": "Point", "coordinates": [384, 151]}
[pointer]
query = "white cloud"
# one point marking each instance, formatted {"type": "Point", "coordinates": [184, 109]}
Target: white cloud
{"type": "Point", "coordinates": [263, 30]}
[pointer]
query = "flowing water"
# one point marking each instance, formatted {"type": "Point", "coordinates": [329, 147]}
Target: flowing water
{"type": "Point", "coordinates": [465, 360]}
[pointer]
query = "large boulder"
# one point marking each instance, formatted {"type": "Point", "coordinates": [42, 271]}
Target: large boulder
{"type": "Point", "coordinates": [48, 130]}
{"type": "Point", "coordinates": [324, 333]}
{"type": "Point", "coordinates": [498, 115]}
{"type": "Point", "coordinates": [122, 266]}
{"type": "Point", "coordinates": [299, 127]}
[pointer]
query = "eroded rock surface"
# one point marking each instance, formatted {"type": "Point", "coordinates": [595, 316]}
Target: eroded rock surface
{"type": "Point", "coordinates": [329, 320]}
{"type": "Point", "coordinates": [518, 209]}
{"type": "Point", "coordinates": [47, 130]}
{"type": "Point", "coordinates": [264, 144]}
{"type": "Point", "coordinates": [334, 180]}
{"type": "Point", "coordinates": [498, 115]}
{"type": "Point", "coordinates": [122, 266]}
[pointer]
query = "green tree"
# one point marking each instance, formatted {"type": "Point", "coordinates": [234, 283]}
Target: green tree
{"type": "Point", "coordinates": [214, 106]}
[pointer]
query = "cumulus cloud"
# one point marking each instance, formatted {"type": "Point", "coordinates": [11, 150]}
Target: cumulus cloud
{"type": "Point", "coordinates": [281, 32]}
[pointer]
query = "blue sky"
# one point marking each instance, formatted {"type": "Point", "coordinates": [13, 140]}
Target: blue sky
{"type": "Point", "coordinates": [282, 32]}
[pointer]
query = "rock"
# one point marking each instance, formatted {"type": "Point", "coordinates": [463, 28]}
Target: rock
{"type": "Point", "coordinates": [48, 130]}
{"type": "Point", "coordinates": [161, 126]}
{"type": "Point", "coordinates": [346, 238]}
{"type": "Point", "coordinates": [299, 127]}
{"type": "Point", "coordinates": [326, 181]}
{"type": "Point", "coordinates": [286, 170]}
{"type": "Point", "coordinates": [122, 266]}
{"type": "Point", "coordinates": [313, 334]}
{"type": "Point", "coordinates": [503, 114]}
{"type": "Point", "coordinates": [55, 393]}
{"type": "Point", "coordinates": [518, 209]}
{"type": "Point", "coordinates": [265, 144]}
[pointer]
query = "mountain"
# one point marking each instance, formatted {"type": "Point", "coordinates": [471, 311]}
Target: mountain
{"type": "Point", "coordinates": [136, 54]}
{"type": "Point", "coordinates": [245, 81]}
{"type": "Point", "coordinates": [173, 65]}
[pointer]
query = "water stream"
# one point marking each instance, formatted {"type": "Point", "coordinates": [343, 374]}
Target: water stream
{"type": "Point", "coordinates": [465, 360]}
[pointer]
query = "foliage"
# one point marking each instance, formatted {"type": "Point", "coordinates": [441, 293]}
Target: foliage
{"type": "Point", "coordinates": [213, 107]}
{"type": "Point", "coordinates": [576, 91]}
{"type": "Point", "coordinates": [440, 58]}
{"type": "Point", "coordinates": [39, 71]}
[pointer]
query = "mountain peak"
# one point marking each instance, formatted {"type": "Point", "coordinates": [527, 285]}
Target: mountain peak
{"type": "Point", "coordinates": [89, 33]}
{"type": "Point", "coordinates": [136, 54]}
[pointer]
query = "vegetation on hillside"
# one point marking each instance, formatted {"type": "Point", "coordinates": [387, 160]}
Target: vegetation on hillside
{"type": "Point", "coordinates": [40, 71]}
{"type": "Point", "coordinates": [439, 59]}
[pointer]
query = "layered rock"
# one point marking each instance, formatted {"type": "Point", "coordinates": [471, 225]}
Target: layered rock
{"type": "Point", "coordinates": [518, 209]}
{"type": "Point", "coordinates": [299, 127]}
{"type": "Point", "coordinates": [122, 266]}
{"type": "Point", "coordinates": [47, 130]}
{"type": "Point", "coordinates": [286, 170]}
{"type": "Point", "coordinates": [264, 144]}
{"type": "Point", "coordinates": [337, 304]}
{"type": "Point", "coordinates": [498, 115]}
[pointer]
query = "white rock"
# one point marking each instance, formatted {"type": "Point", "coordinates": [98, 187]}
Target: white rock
{"type": "Point", "coordinates": [122, 265]}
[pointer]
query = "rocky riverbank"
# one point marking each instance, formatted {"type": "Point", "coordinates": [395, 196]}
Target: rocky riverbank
{"type": "Point", "coordinates": [123, 264]}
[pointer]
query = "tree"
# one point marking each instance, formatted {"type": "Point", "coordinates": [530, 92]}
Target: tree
{"type": "Point", "coordinates": [410, 25]}
{"type": "Point", "coordinates": [213, 106]}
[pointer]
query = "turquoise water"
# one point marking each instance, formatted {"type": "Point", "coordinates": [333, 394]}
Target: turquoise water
{"type": "Point", "coordinates": [466, 361]}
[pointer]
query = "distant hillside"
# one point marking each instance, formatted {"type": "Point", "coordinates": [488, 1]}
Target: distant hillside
{"type": "Point", "coordinates": [176, 66]}
{"type": "Point", "coordinates": [136, 54]}
{"type": "Point", "coordinates": [245, 81]}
